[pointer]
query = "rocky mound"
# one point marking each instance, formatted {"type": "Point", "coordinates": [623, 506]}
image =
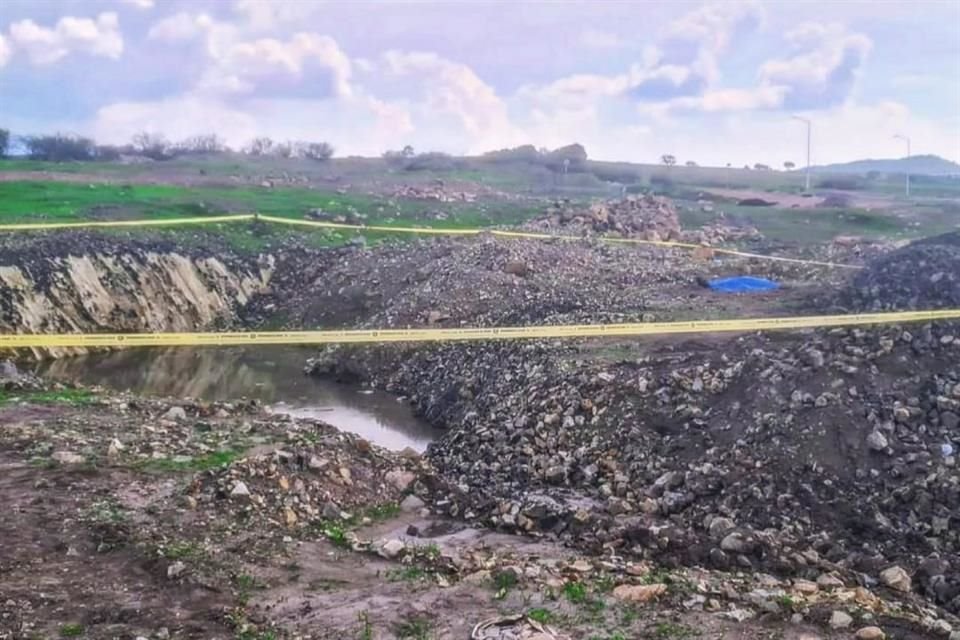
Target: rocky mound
{"type": "Point", "coordinates": [775, 452]}
{"type": "Point", "coordinates": [644, 217]}
{"type": "Point", "coordinates": [922, 275]}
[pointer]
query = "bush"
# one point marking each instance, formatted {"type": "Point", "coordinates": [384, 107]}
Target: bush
{"type": "Point", "coordinates": [107, 152]}
{"type": "Point", "coordinates": [319, 151]}
{"type": "Point", "coordinates": [844, 183]}
{"type": "Point", "coordinates": [571, 158]}
{"type": "Point", "coordinates": [431, 161]}
{"type": "Point", "coordinates": [197, 145]}
{"type": "Point", "coordinates": [4, 142]}
{"type": "Point", "coordinates": [525, 153]}
{"type": "Point", "coordinates": [59, 147]}
{"type": "Point", "coordinates": [152, 145]}
{"type": "Point", "coordinates": [260, 147]}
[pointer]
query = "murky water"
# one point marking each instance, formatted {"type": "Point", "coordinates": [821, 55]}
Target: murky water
{"type": "Point", "coordinates": [273, 375]}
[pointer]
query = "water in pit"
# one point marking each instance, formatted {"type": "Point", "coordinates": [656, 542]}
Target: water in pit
{"type": "Point", "coordinates": [273, 375]}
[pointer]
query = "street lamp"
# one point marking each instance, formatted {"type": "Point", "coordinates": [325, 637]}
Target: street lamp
{"type": "Point", "coordinates": [809, 127]}
{"type": "Point", "coordinates": [905, 138]}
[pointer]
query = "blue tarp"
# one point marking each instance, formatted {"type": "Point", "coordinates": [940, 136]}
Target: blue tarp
{"type": "Point", "coordinates": [742, 284]}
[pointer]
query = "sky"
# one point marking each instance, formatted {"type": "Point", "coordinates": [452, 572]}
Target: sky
{"type": "Point", "coordinates": [709, 82]}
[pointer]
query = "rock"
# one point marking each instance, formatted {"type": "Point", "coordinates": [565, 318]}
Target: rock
{"type": "Point", "coordinates": [720, 526]}
{"type": "Point", "coordinates": [240, 490]}
{"type": "Point", "coordinates": [176, 414]}
{"type": "Point", "coordinates": [391, 548]}
{"type": "Point", "coordinates": [805, 587]}
{"type": "Point", "coordinates": [639, 592]}
{"type": "Point", "coordinates": [870, 633]}
{"type": "Point", "coordinates": [8, 370]}
{"type": "Point", "coordinates": [840, 620]}
{"type": "Point", "coordinates": [289, 516]}
{"type": "Point", "coordinates": [877, 441]}
{"type": "Point", "coordinates": [897, 578]}
{"type": "Point", "coordinates": [68, 457]}
{"type": "Point", "coordinates": [176, 569]}
{"type": "Point", "coordinates": [827, 581]}
{"type": "Point", "coordinates": [115, 448]}
{"type": "Point", "coordinates": [735, 543]}
{"type": "Point", "coordinates": [400, 479]}
{"type": "Point", "coordinates": [412, 503]}
{"type": "Point", "coordinates": [517, 268]}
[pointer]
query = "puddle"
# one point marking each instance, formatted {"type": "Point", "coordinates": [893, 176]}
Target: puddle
{"type": "Point", "coordinates": [273, 375]}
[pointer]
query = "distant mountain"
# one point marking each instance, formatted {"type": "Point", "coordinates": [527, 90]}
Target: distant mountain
{"type": "Point", "coordinates": [928, 165]}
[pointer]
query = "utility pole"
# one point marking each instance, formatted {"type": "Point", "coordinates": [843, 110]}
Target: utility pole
{"type": "Point", "coordinates": [902, 137]}
{"type": "Point", "coordinates": [809, 127]}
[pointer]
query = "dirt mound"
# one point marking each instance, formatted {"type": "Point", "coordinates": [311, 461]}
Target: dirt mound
{"type": "Point", "coordinates": [648, 217]}
{"type": "Point", "coordinates": [922, 275]}
{"type": "Point", "coordinates": [774, 453]}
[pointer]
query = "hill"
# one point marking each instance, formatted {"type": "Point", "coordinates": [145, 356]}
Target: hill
{"type": "Point", "coordinates": [929, 165]}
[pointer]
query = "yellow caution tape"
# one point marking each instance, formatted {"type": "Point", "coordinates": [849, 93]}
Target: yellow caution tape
{"type": "Point", "coordinates": [41, 226]}
{"type": "Point", "coordinates": [379, 336]}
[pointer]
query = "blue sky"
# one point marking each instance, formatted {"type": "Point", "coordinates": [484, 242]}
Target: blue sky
{"type": "Point", "coordinates": [712, 82]}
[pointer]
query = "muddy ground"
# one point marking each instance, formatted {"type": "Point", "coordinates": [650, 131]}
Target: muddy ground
{"type": "Point", "coordinates": [120, 522]}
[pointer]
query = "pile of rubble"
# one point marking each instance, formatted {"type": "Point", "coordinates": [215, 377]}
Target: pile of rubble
{"type": "Point", "coordinates": [921, 275]}
{"type": "Point", "coordinates": [644, 217]}
{"type": "Point", "coordinates": [435, 192]}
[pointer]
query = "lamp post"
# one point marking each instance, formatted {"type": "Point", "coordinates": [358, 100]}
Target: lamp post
{"type": "Point", "coordinates": [809, 127]}
{"type": "Point", "coordinates": [907, 140]}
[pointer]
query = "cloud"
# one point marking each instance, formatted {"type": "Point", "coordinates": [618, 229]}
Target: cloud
{"type": "Point", "coordinates": [139, 4]}
{"type": "Point", "coordinates": [43, 46]}
{"type": "Point", "coordinates": [306, 64]}
{"type": "Point", "coordinates": [5, 51]}
{"type": "Point", "coordinates": [824, 68]}
{"type": "Point", "coordinates": [666, 82]}
{"type": "Point", "coordinates": [447, 89]}
{"type": "Point", "coordinates": [180, 26]}
{"type": "Point", "coordinates": [597, 39]}
{"type": "Point", "coordinates": [267, 14]}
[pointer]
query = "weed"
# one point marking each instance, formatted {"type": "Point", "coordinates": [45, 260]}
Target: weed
{"type": "Point", "coordinates": [76, 397]}
{"type": "Point", "coordinates": [628, 616]}
{"type": "Point", "coordinates": [666, 630]}
{"type": "Point", "coordinates": [325, 584]}
{"type": "Point", "coordinates": [366, 628]}
{"type": "Point", "coordinates": [575, 592]}
{"type": "Point", "coordinates": [431, 551]}
{"type": "Point", "coordinates": [383, 511]}
{"type": "Point", "coordinates": [246, 581]}
{"type": "Point", "coordinates": [413, 629]}
{"type": "Point", "coordinates": [180, 550]}
{"type": "Point", "coordinates": [605, 583]}
{"type": "Point", "coordinates": [71, 630]}
{"type": "Point", "coordinates": [213, 460]}
{"type": "Point", "coordinates": [787, 603]}
{"type": "Point", "coordinates": [337, 536]}
{"type": "Point", "coordinates": [408, 574]}
{"type": "Point", "coordinates": [542, 616]}
{"type": "Point", "coordinates": [106, 511]}
{"type": "Point", "coordinates": [615, 636]}
{"type": "Point", "coordinates": [503, 582]}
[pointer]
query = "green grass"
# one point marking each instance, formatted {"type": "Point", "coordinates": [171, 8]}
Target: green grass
{"type": "Point", "coordinates": [71, 630]}
{"type": "Point", "coordinates": [543, 616]}
{"type": "Point", "coordinates": [406, 574]}
{"type": "Point", "coordinates": [666, 630]}
{"type": "Point", "coordinates": [77, 397]}
{"type": "Point", "coordinates": [575, 592]}
{"type": "Point", "coordinates": [206, 462]}
{"type": "Point", "coordinates": [413, 629]}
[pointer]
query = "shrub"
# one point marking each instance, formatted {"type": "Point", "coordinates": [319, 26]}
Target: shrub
{"type": "Point", "coordinates": [59, 147]}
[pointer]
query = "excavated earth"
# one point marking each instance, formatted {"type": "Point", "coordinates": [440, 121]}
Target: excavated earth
{"type": "Point", "coordinates": [778, 485]}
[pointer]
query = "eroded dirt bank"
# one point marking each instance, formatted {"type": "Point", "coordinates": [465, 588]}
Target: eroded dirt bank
{"type": "Point", "coordinates": [88, 283]}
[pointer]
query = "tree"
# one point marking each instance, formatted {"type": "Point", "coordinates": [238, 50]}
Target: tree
{"type": "Point", "coordinates": [151, 145]}
{"type": "Point", "coordinates": [668, 159]}
{"type": "Point", "coordinates": [761, 167]}
{"type": "Point", "coordinates": [259, 147]}
{"type": "Point", "coordinates": [789, 166]}
{"type": "Point", "coordinates": [284, 149]}
{"type": "Point", "coordinates": [4, 142]}
{"type": "Point", "coordinates": [407, 151]}
{"type": "Point", "coordinates": [690, 163]}
{"type": "Point", "coordinates": [319, 151]}
{"type": "Point", "coordinates": [206, 143]}
{"type": "Point", "coordinates": [59, 147]}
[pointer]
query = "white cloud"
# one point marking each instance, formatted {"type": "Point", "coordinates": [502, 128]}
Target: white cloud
{"type": "Point", "coordinates": [597, 39]}
{"type": "Point", "coordinates": [180, 26]}
{"type": "Point", "coordinates": [5, 51]}
{"type": "Point", "coordinates": [824, 68]}
{"type": "Point", "coordinates": [307, 62]}
{"type": "Point", "coordinates": [139, 4]}
{"type": "Point", "coordinates": [100, 37]}
{"type": "Point", "coordinates": [453, 90]}
{"type": "Point", "coordinates": [267, 14]}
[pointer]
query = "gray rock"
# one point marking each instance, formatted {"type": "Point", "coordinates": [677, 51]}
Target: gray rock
{"type": "Point", "coordinates": [400, 479]}
{"type": "Point", "coordinates": [840, 620]}
{"type": "Point", "coordinates": [896, 578]}
{"type": "Point", "coordinates": [176, 569]}
{"type": "Point", "coordinates": [391, 548]}
{"type": "Point", "coordinates": [412, 503]}
{"type": "Point", "coordinates": [8, 370]}
{"type": "Point", "coordinates": [877, 441]}
{"type": "Point", "coordinates": [720, 526]}
{"type": "Point", "coordinates": [735, 543]}
{"type": "Point", "coordinates": [240, 490]}
{"type": "Point", "coordinates": [175, 413]}
{"type": "Point", "coordinates": [67, 457]}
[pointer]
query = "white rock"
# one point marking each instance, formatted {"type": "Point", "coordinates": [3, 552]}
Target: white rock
{"type": "Point", "coordinates": [877, 441]}
{"type": "Point", "coordinates": [870, 633]}
{"type": "Point", "coordinates": [67, 457]}
{"type": "Point", "coordinates": [400, 479]}
{"type": "Point", "coordinates": [176, 569]}
{"type": "Point", "coordinates": [840, 620]}
{"type": "Point", "coordinates": [175, 413]}
{"type": "Point", "coordinates": [392, 548]}
{"type": "Point", "coordinates": [411, 503]}
{"type": "Point", "coordinates": [896, 578]}
{"type": "Point", "coordinates": [240, 490]}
